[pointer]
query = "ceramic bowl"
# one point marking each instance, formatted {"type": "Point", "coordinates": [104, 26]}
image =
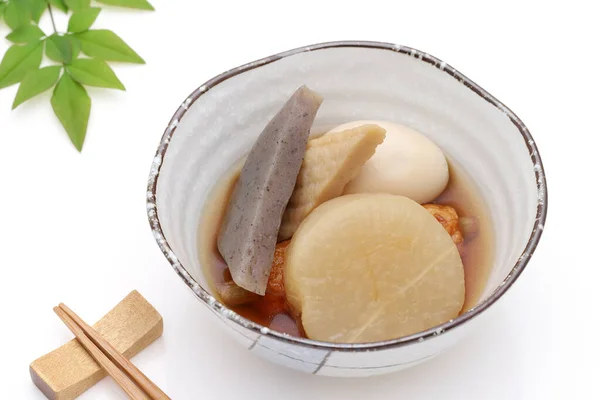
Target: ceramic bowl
{"type": "Point", "coordinates": [218, 123]}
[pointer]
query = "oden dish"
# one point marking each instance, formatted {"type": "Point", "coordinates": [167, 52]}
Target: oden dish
{"type": "Point", "coordinates": [493, 164]}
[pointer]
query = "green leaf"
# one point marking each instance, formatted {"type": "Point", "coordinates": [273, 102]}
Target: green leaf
{"type": "Point", "coordinates": [106, 45]}
{"type": "Point", "coordinates": [59, 48]}
{"type": "Point", "coordinates": [93, 72]}
{"type": "Point", "coordinates": [25, 34]}
{"type": "Point", "coordinates": [139, 4]}
{"type": "Point", "coordinates": [72, 105]}
{"type": "Point", "coordinates": [82, 20]}
{"type": "Point", "coordinates": [60, 4]}
{"type": "Point", "coordinates": [77, 5]}
{"type": "Point", "coordinates": [18, 61]}
{"type": "Point", "coordinates": [75, 46]}
{"type": "Point", "coordinates": [36, 82]}
{"type": "Point", "coordinates": [66, 42]}
{"type": "Point", "coordinates": [17, 14]}
{"type": "Point", "coordinates": [36, 9]}
{"type": "Point", "coordinates": [20, 12]}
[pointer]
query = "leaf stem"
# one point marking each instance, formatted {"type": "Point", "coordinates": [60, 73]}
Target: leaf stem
{"type": "Point", "coordinates": [52, 18]}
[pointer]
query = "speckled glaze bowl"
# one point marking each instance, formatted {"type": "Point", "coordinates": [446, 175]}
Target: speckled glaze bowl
{"type": "Point", "coordinates": [220, 120]}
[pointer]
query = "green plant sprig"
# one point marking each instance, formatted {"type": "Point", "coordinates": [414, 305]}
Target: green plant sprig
{"type": "Point", "coordinates": [70, 71]}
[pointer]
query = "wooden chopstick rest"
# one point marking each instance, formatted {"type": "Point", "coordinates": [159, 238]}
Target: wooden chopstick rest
{"type": "Point", "coordinates": [68, 371]}
{"type": "Point", "coordinates": [119, 376]}
{"type": "Point", "coordinates": [112, 355]}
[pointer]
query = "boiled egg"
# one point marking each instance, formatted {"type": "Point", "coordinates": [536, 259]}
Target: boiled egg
{"type": "Point", "coordinates": [407, 163]}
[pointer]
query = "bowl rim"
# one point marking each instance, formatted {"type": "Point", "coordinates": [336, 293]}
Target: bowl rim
{"type": "Point", "coordinates": [223, 311]}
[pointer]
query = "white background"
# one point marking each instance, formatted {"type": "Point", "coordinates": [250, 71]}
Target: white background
{"type": "Point", "coordinates": [73, 226]}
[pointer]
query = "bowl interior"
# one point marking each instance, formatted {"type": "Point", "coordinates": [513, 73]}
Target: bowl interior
{"type": "Point", "coordinates": [219, 123]}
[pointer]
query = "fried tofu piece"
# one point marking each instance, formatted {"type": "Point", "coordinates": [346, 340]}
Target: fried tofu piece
{"type": "Point", "coordinates": [330, 162]}
{"type": "Point", "coordinates": [448, 217]}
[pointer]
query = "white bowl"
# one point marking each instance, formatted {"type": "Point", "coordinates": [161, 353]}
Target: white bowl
{"type": "Point", "coordinates": [219, 121]}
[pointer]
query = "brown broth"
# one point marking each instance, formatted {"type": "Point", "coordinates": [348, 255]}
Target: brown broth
{"type": "Point", "coordinates": [460, 193]}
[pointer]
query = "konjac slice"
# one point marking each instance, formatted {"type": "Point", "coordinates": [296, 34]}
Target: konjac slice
{"type": "Point", "coordinates": [249, 231]}
{"type": "Point", "coordinates": [330, 162]}
{"type": "Point", "coordinates": [370, 267]}
{"type": "Point", "coordinates": [274, 298]}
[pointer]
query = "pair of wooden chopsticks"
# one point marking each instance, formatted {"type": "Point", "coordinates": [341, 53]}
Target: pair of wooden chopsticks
{"type": "Point", "coordinates": [128, 376]}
